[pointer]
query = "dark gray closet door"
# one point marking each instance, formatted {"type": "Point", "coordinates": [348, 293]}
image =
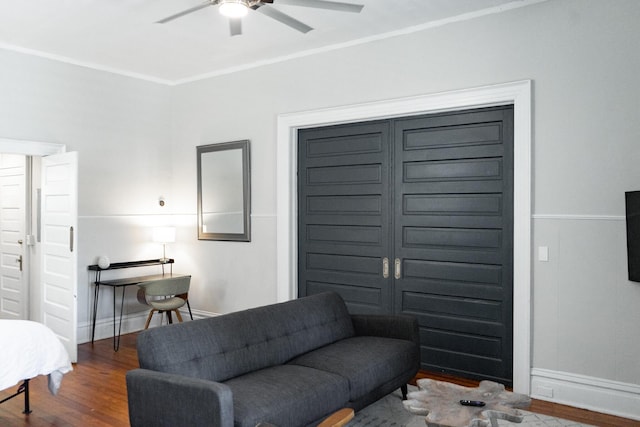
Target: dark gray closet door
{"type": "Point", "coordinates": [433, 195]}
{"type": "Point", "coordinates": [453, 227]}
{"type": "Point", "coordinates": [343, 214]}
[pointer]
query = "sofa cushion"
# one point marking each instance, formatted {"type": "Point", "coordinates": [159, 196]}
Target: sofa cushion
{"type": "Point", "coordinates": [226, 346]}
{"type": "Point", "coordinates": [366, 362]}
{"type": "Point", "coordinates": [286, 396]}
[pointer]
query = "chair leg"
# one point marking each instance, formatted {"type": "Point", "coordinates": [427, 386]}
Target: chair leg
{"type": "Point", "coordinates": [178, 315]}
{"type": "Point", "coordinates": [146, 325]}
{"type": "Point", "coordinates": [189, 307]}
{"type": "Point", "coordinates": [404, 390]}
{"type": "Point", "coordinates": [169, 316]}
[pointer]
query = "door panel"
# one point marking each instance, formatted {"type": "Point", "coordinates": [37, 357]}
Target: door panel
{"type": "Point", "coordinates": [434, 194]}
{"type": "Point", "coordinates": [453, 226]}
{"type": "Point", "coordinates": [14, 295]}
{"type": "Point", "coordinates": [59, 243]}
{"type": "Point", "coordinates": [344, 214]}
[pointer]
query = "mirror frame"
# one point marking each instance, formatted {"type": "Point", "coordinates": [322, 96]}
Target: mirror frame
{"type": "Point", "coordinates": [243, 145]}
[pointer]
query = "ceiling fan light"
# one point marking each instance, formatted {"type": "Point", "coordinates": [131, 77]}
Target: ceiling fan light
{"type": "Point", "coordinates": [233, 8]}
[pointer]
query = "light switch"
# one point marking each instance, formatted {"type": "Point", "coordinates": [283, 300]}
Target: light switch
{"type": "Point", "coordinates": [543, 253]}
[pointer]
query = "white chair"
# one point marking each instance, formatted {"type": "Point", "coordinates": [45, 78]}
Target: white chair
{"type": "Point", "coordinates": [165, 296]}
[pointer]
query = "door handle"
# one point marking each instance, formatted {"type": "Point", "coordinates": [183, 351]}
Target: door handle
{"type": "Point", "coordinates": [19, 261]}
{"type": "Point", "coordinates": [71, 239]}
{"type": "Point", "coordinates": [397, 267]}
{"type": "Point", "coordinates": [385, 267]}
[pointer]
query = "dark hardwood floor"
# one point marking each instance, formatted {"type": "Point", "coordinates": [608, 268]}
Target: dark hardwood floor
{"type": "Point", "coordinates": [94, 394]}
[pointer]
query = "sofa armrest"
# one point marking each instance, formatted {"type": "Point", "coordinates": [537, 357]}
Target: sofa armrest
{"type": "Point", "coordinates": [390, 326]}
{"type": "Point", "coordinates": [161, 399]}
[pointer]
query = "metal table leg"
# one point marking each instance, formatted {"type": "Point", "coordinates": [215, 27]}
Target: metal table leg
{"type": "Point", "coordinates": [116, 338]}
{"type": "Point", "coordinates": [96, 292]}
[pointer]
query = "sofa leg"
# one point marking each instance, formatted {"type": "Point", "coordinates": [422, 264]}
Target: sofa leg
{"type": "Point", "coordinates": [404, 390]}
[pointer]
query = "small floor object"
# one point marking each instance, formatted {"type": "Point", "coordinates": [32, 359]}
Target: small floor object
{"type": "Point", "coordinates": [449, 405]}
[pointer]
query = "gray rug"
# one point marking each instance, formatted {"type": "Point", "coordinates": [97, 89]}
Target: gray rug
{"type": "Point", "coordinates": [389, 412]}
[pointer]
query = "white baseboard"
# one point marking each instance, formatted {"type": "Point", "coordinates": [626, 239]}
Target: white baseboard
{"type": "Point", "coordinates": [133, 322]}
{"type": "Point", "coordinates": [595, 394]}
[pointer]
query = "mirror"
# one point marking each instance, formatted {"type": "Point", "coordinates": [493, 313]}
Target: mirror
{"type": "Point", "coordinates": [224, 191]}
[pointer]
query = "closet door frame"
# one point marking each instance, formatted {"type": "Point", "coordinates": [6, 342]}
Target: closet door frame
{"type": "Point", "coordinates": [516, 93]}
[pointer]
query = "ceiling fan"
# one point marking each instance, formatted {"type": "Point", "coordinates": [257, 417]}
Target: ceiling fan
{"type": "Point", "coordinates": [236, 9]}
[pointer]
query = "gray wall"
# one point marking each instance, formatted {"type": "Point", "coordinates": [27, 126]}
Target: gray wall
{"type": "Point", "coordinates": [583, 57]}
{"type": "Point", "coordinates": [121, 128]}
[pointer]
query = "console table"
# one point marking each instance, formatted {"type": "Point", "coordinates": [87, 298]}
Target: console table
{"type": "Point", "coordinates": [123, 283]}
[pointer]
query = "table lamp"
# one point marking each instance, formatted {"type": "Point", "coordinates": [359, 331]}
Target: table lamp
{"type": "Point", "coordinates": [164, 235]}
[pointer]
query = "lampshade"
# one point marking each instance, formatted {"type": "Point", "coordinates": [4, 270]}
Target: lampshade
{"type": "Point", "coordinates": [233, 8]}
{"type": "Point", "coordinates": [164, 234]}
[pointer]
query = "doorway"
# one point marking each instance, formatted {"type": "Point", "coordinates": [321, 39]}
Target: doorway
{"type": "Point", "coordinates": [517, 93]}
{"type": "Point", "coordinates": [414, 216]}
{"type": "Point", "coordinates": [51, 291]}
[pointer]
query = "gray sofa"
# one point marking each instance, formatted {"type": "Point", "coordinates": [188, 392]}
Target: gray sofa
{"type": "Point", "coordinates": [289, 364]}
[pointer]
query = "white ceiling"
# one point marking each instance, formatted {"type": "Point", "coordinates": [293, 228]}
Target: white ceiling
{"type": "Point", "coordinates": [122, 36]}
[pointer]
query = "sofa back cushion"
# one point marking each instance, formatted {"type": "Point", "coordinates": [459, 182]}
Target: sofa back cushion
{"type": "Point", "coordinates": [223, 347]}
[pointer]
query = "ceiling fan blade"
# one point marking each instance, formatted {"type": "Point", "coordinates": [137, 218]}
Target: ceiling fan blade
{"type": "Point", "coordinates": [322, 4]}
{"type": "Point", "coordinates": [284, 18]}
{"type": "Point", "coordinates": [188, 11]}
{"type": "Point", "coordinates": [235, 26]}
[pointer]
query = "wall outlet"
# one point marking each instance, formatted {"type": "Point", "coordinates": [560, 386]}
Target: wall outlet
{"type": "Point", "coordinates": [544, 391]}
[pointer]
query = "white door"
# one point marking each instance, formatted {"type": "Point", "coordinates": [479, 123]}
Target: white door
{"type": "Point", "coordinates": [14, 290]}
{"type": "Point", "coordinates": [59, 255]}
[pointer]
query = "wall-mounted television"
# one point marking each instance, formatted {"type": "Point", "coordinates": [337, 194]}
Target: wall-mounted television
{"type": "Point", "coordinates": [632, 199]}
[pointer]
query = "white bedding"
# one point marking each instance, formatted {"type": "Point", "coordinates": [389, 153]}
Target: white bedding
{"type": "Point", "coordinates": [29, 349]}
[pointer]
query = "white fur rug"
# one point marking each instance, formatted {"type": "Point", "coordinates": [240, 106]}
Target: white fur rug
{"type": "Point", "coordinates": [389, 412]}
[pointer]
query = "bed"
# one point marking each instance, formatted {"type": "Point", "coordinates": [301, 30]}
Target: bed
{"type": "Point", "coordinates": [30, 349]}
